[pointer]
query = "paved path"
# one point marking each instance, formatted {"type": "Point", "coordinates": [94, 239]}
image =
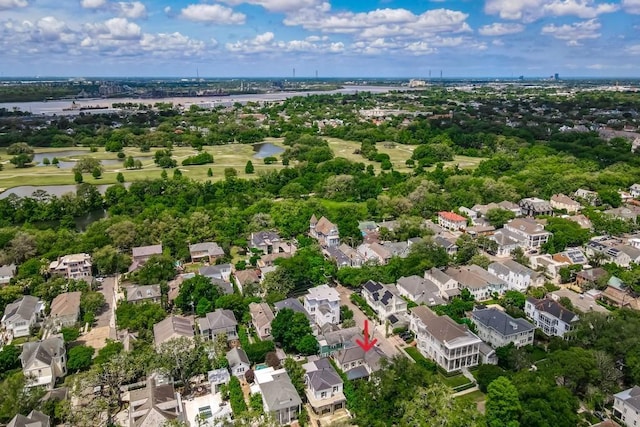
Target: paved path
{"type": "Point", "coordinates": [385, 344]}
{"type": "Point", "coordinates": [106, 316]}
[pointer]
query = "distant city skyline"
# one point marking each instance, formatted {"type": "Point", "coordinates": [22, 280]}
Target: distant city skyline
{"type": "Point", "coordinates": [271, 38]}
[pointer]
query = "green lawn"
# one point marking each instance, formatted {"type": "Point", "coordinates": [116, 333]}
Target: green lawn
{"type": "Point", "coordinates": [476, 396]}
{"type": "Point", "coordinates": [455, 380]}
{"type": "Point", "coordinates": [415, 354]}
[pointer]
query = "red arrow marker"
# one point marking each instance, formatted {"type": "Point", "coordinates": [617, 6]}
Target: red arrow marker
{"type": "Point", "coordinates": [366, 345]}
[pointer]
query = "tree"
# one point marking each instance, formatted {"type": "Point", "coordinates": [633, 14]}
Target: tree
{"type": "Point", "coordinates": [22, 247]}
{"type": "Point", "coordinates": [158, 268]}
{"type": "Point", "coordinates": [70, 334]}
{"type": "Point", "coordinates": [108, 260]}
{"type": "Point", "coordinates": [230, 173]}
{"type": "Point", "coordinates": [499, 217]}
{"type": "Point", "coordinates": [96, 173]}
{"type": "Point", "coordinates": [248, 169]}
{"type": "Point", "coordinates": [88, 165]}
{"type": "Point", "coordinates": [15, 398]}
{"type": "Point", "coordinates": [610, 197]}
{"type": "Point", "coordinates": [236, 397]}
{"type": "Point", "coordinates": [9, 359]}
{"type": "Point", "coordinates": [503, 404]}
{"type": "Point", "coordinates": [292, 330]}
{"type": "Point", "coordinates": [22, 154]}
{"type": "Point", "coordinates": [129, 162]}
{"type": "Point", "coordinates": [77, 177]}
{"type": "Point", "coordinates": [46, 161]}
{"type": "Point", "coordinates": [209, 172]}
{"type": "Point", "coordinates": [296, 374]}
{"type": "Point", "coordinates": [106, 353]}
{"type": "Point", "coordinates": [120, 177]}
{"type": "Point", "coordinates": [136, 317]}
{"type": "Point", "coordinates": [79, 358]}
{"type": "Point", "coordinates": [92, 302]}
{"type": "Point", "coordinates": [486, 374]}
{"type": "Point", "coordinates": [197, 294]}
{"type": "Point", "coordinates": [182, 358]}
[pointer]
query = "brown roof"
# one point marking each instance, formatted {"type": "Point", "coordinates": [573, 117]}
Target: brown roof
{"type": "Point", "coordinates": [66, 304]}
{"type": "Point", "coordinates": [325, 226]}
{"type": "Point", "coordinates": [261, 313]}
{"type": "Point", "coordinates": [566, 200]}
{"type": "Point", "coordinates": [172, 327]}
{"type": "Point", "coordinates": [247, 276]}
{"type": "Point", "coordinates": [443, 328]}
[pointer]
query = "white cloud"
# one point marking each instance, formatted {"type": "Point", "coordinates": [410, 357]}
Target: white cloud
{"type": "Point", "coordinates": [631, 6]}
{"type": "Point", "coordinates": [633, 49]}
{"type": "Point", "coordinates": [500, 29]}
{"type": "Point", "coordinates": [133, 10]}
{"type": "Point", "coordinates": [114, 29]}
{"type": "Point", "coordinates": [10, 4]}
{"type": "Point", "coordinates": [93, 4]}
{"type": "Point", "coordinates": [531, 10]}
{"type": "Point", "coordinates": [575, 32]}
{"type": "Point", "coordinates": [266, 43]}
{"type": "Point", "coordinates": [173, 42]}
{"type": "Point", "coordinates": [277, 5]}
{"type": "Point", "coordinates": [212, 14]}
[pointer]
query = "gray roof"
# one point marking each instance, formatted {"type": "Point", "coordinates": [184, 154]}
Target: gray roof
{"type": "Point", "coordinates": [322, 376]}
{"type": "Point", "coordinates": [357, 373]}
{"type": "Point", "coordinates": [218, 319]}
{"type": "Point", "coordinates": [214, 270]}
{"type": "Point", "coordinates": [138, 293]}
{"type": "Point", "coordinates": [445, 243]}
{"type": "Point", "coordinates": [21, 309]}
{"type": "Point", "coordinates": [280, 394]}
{"type": "Point", "coordinates": [506, 266]}
{"type": "Point", "coordinates": [219, 376]}
{"type": "Point", "coordinates": [172, 326]}
{"type": "Point", "coordinates": [43, 351]}
{"type": "Point", "coordinates": [261, 313]}
{"type": "Point", "coordinates": [237, 356]}
{"type": "Point", "coordinates": [225, 286]}
{"type": "Point", "coordinates": [341, 335]}
{"type": "Point", "coordinates": [439, 275]}
{"type": "Point", "coordinates": [352, 354]}
{"type": "Point", "coordinates": [212, 248]}
{"type": "Point", "coordinates": [262, 238]}
{"type": "Point", "coordinates": [155, 397]}
{"type": "Point", "coordinates": [291, 303]}
{"type": "Point", "coordinates": [547, 305]}
{"type": "Point", "coordinates": [443, 328]}
{"type": "Point", "coordinates": [146, 251]}
{"type": "Point", "coordinates": [34, 419]}
{"type": "Point", "coordinates": [501, 322]}
{"type": "Point", "coordinates": [7, 270]}
{"type": "Point", "coordinates": [337, 255]}
{"type": "Point", "coordinates": [421, 290]}
{"type": "Point", "coordinates": [630, 396]}
{"type": "Point", "coordinates": [380, 292]}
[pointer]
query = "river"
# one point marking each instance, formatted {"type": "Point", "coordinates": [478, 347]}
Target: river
{"type": "Point", "coordinates": [63, 107]}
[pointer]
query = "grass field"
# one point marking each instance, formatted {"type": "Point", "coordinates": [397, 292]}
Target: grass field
{"type": "Point", "coordinates": [476, 396]}
{"type": "Point", "coordinates": [225, 156]}
{"type": "Point", "coordinates": [455, 380]}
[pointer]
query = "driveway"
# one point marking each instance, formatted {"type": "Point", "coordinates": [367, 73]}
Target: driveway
{"type": "Point", "coordinates": [106, 317]}
{"type": "Point", "coordinates": [376, 331]}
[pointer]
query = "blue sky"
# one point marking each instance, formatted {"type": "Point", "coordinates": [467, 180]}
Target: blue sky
{"type": "Point", "coordinates": [338, 38]}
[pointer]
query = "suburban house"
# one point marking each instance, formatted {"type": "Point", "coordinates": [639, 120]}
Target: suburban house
{"type": "Point", "coordinates": [323, 304]}
{"type": "Point", "coordinates": [218, 322]}
{"type": "Point", "coordinates": [588, 196]}
{"type": "Point", "coordinates": [65, 309]}
{"type": "Point", "coordinates": [269, 242]}
{"type": "Point", "coordinates": [447, 285]}
{"type": "Point", "coordinates": [478, 281]}
{"type": "Point", "coordinates": [206, 251]}
{"type": "Point", "coordinates": [357, 363]}
{"type": "Point", "coordinates": [155, 404]}
{"type": "Point", "coordinates": [626, 406]}
{"type": "Point", "coordinates": [439, 338]}
{"type": "Point", "coordinates": [21, 315]}
{"type": "Point", "coordinates": [482, 210]}
{"type": "Point", "coordinates": [145, 293]}
{"type": "Point", "coordinates": [634, 190]}
{"type": "Point", "coordinates": [218, 377]}
{"type": "Point", "coordinates": [532, 234]}
{"type": "Point", "coordinates": [383, 299]}
{"type": "Point", "coordinates": [344, 256]}
{"type": "Point", "coordinates": [375, 253]}
{"type": "Point", "coordinates": [43, 362]}
{"type": "Point", "coordinates": [611, 253]}
{"type": "Point", "coordinates": [141, 254]}
{"type": "Point", "coordinates": [448, 244]}
{"type": "Point", "coordinates": [220, 271]}
{"type": "Point", "coordinates": [279, 396]}
{"type": "Point", "coordinates": [419, 290]}
{"type": "Point", "coordinates": [7, 272]}
{"type": "Point", "coordinates": [332, 341]}
{"type": "Point", "coordinates": [533, 206]}
{"type": "Point", "coordinates": [76, 266]}
{"type": "Point", "coordinates": [239, 362]}
{"type": "Point", "coordinates": [550, 316]}
{"type": "Point", "coordinates": [517, 276]}
{"type": "Point", "coordinates": [34, 419]}
{"type": "Point", "coordinates": [244, 278]}
{"type": "Point", "coordinates": [587, 279]}
{"type": "Point", "coordinates": [452, 221]}
{"type": "Point", "coordinates": [506, 242]}
{"type": "Point", "coordinates": [324, 231]}
{"type": "Point", "coordinates": [292, 304]}
{"type": "Point", "coordinates": [324, 387]}
{"type": "Point", "coordinates": [627, 212]}
{"type": "Point", "coordinates": [261, 317]}
{"type": "Point", "coordinates": [499, 329]}
{"type": "Point", "coordinates": [582, 303]}
{"type": "Point", "coordinates": [563, 202]}
{"type": "Point", "coordinates": [172, 327]}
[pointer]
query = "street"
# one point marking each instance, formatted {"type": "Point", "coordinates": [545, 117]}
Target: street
{"type": "Point", "coordinates": [385, 344]}
{"type": "Point", "coordinates": [107, 317]}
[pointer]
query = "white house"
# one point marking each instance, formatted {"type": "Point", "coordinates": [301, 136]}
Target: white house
{"type": "Point", "coordinates": [550, 316]}
{"type": "Point", "coordinates": [239, 363]}
{"type": "Point", "coordinates": [419, 290]}
{"type": "Point", "coordinates": [532, 233]}
{"type": "Point", "coordinates": [499, 329]}
{"type": "Point", "coordinates": [439, 338]}
{"type": "Point", "coordinates": [626, 406]}
{"type": "Point", "coordinates": [447, 285]}
{"type": "Point", "coordinates": [323, 304]}
{"type": "Point", "coordinates": [261, 318]}
{"type": "Point", "coordinates": [21, 315]}
{"type": "Point", "coordinates": [43, 362]}
{"type": "Point", "coordinates": [324, 231]}
{"type": "Point", "coordinates": [6, 273]}
{"type": "Point", "coordinates": [383, 299]}
{"type": "Point", "coordinates": [478, 281]}
{"type": "Point", "coordinates": [75, 266]}
{"type": "Point", "coordinates": [634, 190]}
{"type": "Point", "coordinates": [279, 396]}
{"type": "Point", "coordinates": [517, 276]}
{"type": "Point", "coordinates": [451, 221]}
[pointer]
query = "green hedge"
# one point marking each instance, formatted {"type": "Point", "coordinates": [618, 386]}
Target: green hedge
{"type": "Point", "coordinates": [236, 397]}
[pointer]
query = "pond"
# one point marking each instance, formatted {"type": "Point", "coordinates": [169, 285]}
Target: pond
{"type": "Point", "coordinates": [52, 190]}
{"type": "Point", "coordinates": [38, 157]}
{"type": "Point", "coordinates": [266, 149]}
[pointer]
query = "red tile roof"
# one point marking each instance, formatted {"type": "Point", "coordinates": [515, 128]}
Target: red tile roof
{"type": "Point", "coordinates": [452, 216]}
